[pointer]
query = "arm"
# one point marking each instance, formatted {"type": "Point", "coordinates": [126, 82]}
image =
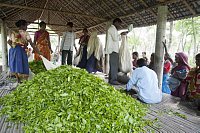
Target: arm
{"type": "Point", "coordinates": [62, 41]}
{"type": "Point", "coordinates": [34, 47]}
{"type": "Point", "coordinates": [132, 82]}
{"type": "Point", "coordinates": [74, 42]}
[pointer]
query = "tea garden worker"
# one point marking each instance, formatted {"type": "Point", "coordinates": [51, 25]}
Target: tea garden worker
{"type": "Point", "coordinates": [67, 44]}
{"type": "Point", "coordinates": [112, 48]}
{"type": "Point", "coordinates": [193, 79]}
{"type": "Point", "coordinates": [18, 60]}
{"type": "Point", "coordinates": [145, 82]}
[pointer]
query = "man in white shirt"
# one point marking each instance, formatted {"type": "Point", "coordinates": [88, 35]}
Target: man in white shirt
{"type": "Point", "coordinates": [146, 83]}
{"type": "Point", "coordinates": [112, 48]}
{"type": "Point", "coordinates": [67, 43]}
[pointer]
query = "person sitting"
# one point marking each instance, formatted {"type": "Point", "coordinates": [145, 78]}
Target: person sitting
{"type": "Point", "coordinates": [177, 82]}
{"type": "Point", "coordinates": [151, 64]}
{"type": "Point", "coordinates": [146, 83]}
{"type": "Point", "coordinates": [144, 56]}
{"type": "Point", "coordinates": [135, 58]}
{"type": "Point", "coordinates": [193, 79]}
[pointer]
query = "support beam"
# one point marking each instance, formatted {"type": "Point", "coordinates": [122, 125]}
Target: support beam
{"type": "Point", "coordinates": [41, 9]}
{"type": "Point", "coordinates": [4, 45]}
{"type": "Point", "coordinates": [160, 37]}
{"type": "Point", "coordinates": [189, 7]}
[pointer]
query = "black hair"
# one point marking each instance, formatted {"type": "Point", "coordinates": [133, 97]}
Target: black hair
{"type": "Point", "coordinates": [42, 23]}
{"type": "Point", "coordinates": [85, 29]}
{"type": "Point", "coordinates": [135, 53]}
{"type": "Point", "coordinates": [117, 20]}
{"type": "Point", "coordinates": [144, 53]}
{"type": "Point", "coordinates": [197, 56]}
{"type": "Point", "coordinates": [20, 23]}
{"type": "Point", "coordinates": [70, 24]}
{"type": "Point", "coordinates": [141, 62]}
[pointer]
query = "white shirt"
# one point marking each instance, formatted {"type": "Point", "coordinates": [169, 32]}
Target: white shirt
{"type": "Point", "coordinates": [112, 42]}
{"type": "Point", "coordinates": [146, 82]}
{"type": "Point", "coordinates": [68, 41]}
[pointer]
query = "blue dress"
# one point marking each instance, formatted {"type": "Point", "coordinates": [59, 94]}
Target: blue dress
{"type": "Point", "coordinates": [18, 60]}
{"type": "Point", "coordinates": [83, 61]}
{"type": "Point", "coordinates": [165, 86]}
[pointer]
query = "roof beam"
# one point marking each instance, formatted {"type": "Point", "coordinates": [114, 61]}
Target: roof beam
{"type": "Point", "coordinates": [135, 10]}
{"type": "Point", "coordinates": [45, 5]}
{"type": "Point", "coordinates": [38, 23]}
{"type": "Point", "coordinates": [145, 4]}
{"type": "Point", "coordinates": [41, 9]}
{"type": "Point", "coordinates": [189, 7]}
{"type": "Point", "coordinates": [142, 10]}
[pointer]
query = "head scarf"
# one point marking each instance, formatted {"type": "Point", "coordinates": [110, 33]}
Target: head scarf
{"type": "Point", "coordinates": [183, 58]}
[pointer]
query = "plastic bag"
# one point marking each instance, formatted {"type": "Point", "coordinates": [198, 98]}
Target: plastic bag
{"type": "Point", "coordinates": [125, 64]}
{"type": "Point", "coordinates": [49, 65]}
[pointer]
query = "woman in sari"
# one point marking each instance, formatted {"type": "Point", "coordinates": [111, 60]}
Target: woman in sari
{"type": "Point", "coordinates": [94, 54]}
{"type": "Point", "coordinates": [42, 41]}
{"type": "Point", "coordinates": [179, 72]}
{"type": "Point", "coordinates": [193, 78]}
{"type": "Point", "coordinates": [83, 49]}
{"type": "Point", "coordinates": [18, 60]}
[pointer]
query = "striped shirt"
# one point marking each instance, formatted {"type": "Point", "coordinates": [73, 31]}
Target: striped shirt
{"type": "Point", "coordinates": [68, 41]}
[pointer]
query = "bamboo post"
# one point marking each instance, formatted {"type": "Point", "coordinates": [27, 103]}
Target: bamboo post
{"type": "Point", "coordinates": [160, 36]}
{"type": "Point", "coordinates": [4, 46]}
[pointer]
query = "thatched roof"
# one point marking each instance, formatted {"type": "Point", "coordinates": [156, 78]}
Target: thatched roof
{"type": "Point", "coordinates": [94, 14]}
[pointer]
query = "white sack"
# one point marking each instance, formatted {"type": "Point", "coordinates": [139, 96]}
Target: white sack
{"type": "Point", "coordinates": [125, 64]}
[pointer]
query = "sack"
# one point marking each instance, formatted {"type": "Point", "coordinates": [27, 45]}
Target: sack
{"type": "Point", "coordinates": [78, 56]}
{"type": "Point", "coordinates": [173, 83]}
{"type": "Point", "coordinates": [49, 65]}
{"type": "Point", "coordinates": [125, 64]}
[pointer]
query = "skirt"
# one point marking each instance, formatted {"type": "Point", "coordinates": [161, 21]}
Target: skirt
{"type": "Point", "coordinates": [18, 60]}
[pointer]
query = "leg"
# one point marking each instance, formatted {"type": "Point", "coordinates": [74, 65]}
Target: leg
{"type": "Point", "coordinates": [64, 55]}
{"type": "Point", "coordinates": [69, 57]}
{"type": "Point", "coordinates": [114, 61]}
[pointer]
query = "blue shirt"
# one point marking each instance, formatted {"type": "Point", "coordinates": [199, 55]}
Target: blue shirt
{"type": "Point", "coordinates": [146, 83]}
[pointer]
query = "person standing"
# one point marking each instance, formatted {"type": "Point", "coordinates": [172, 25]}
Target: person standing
{"type": "Point", "coordinates": [18, 60]}
{"type": "Point", "coordinates": [42, 41]}
{"type": "Point", "coordinates": [112, 48]}
{"type": "Point", "coordinates": [67, 43]}
{"type": "Point", "coordinates": [83, 49]}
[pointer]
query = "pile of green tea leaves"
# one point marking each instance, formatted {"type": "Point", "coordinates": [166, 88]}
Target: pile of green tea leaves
{"type": "Point", "coordinates": [71, 100]}
{"type": "Point", "coordinates": [37, 67]}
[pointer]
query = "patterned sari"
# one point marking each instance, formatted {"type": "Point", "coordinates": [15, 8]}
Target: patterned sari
{"type": "Point", "coordinates": [42, 42]}
{"type": "Point", "coordinates": [193, 78]}
{"type": "Point", "coordinates": [18, 60]}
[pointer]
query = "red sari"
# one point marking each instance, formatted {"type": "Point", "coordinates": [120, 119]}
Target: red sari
{"type": "Point", "coordinates": [42, 42]}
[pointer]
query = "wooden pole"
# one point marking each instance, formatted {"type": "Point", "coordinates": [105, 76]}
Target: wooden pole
{"type": "Point", "coordinates": [4, 46]}
{"type": "Point", "coordinates": [160, 37]}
